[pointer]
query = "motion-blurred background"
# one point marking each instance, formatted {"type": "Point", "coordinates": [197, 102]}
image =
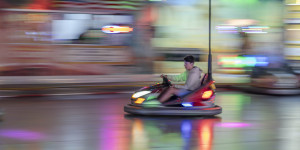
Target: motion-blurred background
{"type": "Point", "coordinates": [114, 43]}
{"type": "Point", "coordinates": [68, 67]}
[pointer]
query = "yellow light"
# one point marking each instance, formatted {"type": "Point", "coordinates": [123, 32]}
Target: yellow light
{"type": "Point", "coordinates": [117, 29]}
{"type": "Point", "coordinates": [213, 86]}
{"type": "Point", "coordinates": [207, 94]}
{"type": "Point", "coordinates": [139, 101]}
{"type": "Point", "coordinates": [206, 138]}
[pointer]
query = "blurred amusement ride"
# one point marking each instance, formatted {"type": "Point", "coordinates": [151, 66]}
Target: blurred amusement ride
{"type": "Point", "coordinates": [267, 74]}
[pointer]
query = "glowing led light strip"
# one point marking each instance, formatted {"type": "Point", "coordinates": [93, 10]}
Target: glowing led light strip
{"type": "Point", "coordinates": [256, 32]}
{"type": "Point", "coordinates": [226, 27]}
{"type": "Point", "coordinates": [187, 104]}
{"type": "Point", "coordinates": [252, 29]}
{"type": "Point", "coordinates": [139, 94]}
{"type": "Point", "coordinates": [116, 29]}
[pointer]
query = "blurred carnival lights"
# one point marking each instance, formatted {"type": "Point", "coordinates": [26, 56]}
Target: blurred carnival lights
{"type": "Point", "coordinates": [246, 29]}
{"type": "Point", "coordinates": [113, 29]}
{"type": "Point", "coordinates": [236, 61]}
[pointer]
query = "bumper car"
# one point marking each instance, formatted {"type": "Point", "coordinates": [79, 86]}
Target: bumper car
{"type": "Point", "coordinates": [200, 102]}
{"type": "Point", "coordinates": [275, 81]}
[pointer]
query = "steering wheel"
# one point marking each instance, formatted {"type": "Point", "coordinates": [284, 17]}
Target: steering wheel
{"type": "Point", "coordinates": [166, 81]}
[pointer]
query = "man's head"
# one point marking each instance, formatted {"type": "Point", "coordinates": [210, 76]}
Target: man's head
{"type": "Point", "coordinates": [189, 62]}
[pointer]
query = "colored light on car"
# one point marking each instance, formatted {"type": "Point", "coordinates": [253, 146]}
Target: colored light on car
{"type": "Point", "coordinates": [139, 94]}
{"type": "Point", "coordinates": [187, 104]}
{"type": "Point", "coordinates": [207, 94]}
{"type": "Point", "coordinates": [139, 101]}
{"type": "Point", "coordinates": [151, 97]}
{"type": "Point", "coordinates": [112, 29]}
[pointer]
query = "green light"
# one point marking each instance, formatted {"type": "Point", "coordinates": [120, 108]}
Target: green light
{"type": "Point", "coordinates": [241, 1]}
{"type": "Point", "coordinates": [151, 97]}
{"type": "Point", "coordinates": [236, 101]}
{"type": "Point", "coordinates": [238, 62]}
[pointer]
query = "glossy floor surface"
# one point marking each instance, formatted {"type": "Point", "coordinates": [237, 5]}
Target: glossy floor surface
{"type": "Point", "coordinates": [248, 122]}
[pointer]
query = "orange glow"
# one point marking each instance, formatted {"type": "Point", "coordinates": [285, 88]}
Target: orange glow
{"type": "Point", "coordinates": [138, 127]}
{"type": "Point", "coordinates": [206, 133]}
{"type": "Point", "coordinates": [117, 29]}
{"type": "Point", "coordinates": [139, 101]}
{"type": "Point", "coordinates": [207, 94]}
{"type": "Point", "coordinates": [139, 139]}
{"type": "Point", "coordinates": [40, 4]}
{"type": "Point", "coordinates": [206, 138]}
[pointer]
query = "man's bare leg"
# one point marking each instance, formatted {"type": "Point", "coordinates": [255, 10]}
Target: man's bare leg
{"type": "Point", "coordinates": [170, 92]}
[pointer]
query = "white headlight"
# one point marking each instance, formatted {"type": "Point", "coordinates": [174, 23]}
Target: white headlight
{"type": "Point", "coordinates": [139, 94]}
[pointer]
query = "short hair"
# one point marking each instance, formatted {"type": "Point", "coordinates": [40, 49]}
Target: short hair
{"type": "Point", "coordinates": [189, 58]}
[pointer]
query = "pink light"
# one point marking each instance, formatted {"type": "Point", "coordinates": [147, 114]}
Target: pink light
{"type": "Point", "coordinates": [21, 135]}
{"type": "Point", "coordinates": [233, 125]}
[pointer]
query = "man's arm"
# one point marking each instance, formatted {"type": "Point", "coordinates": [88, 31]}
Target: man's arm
{"type": "Point", "coordinates": [178, 78]}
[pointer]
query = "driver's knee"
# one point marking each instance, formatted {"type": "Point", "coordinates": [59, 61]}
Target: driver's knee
{"type": "Point", "coordinates": [174, 90]}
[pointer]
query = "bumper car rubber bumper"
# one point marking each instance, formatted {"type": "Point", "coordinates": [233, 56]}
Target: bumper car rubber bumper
{"type": "Point", "coordinates": [173, 111]}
